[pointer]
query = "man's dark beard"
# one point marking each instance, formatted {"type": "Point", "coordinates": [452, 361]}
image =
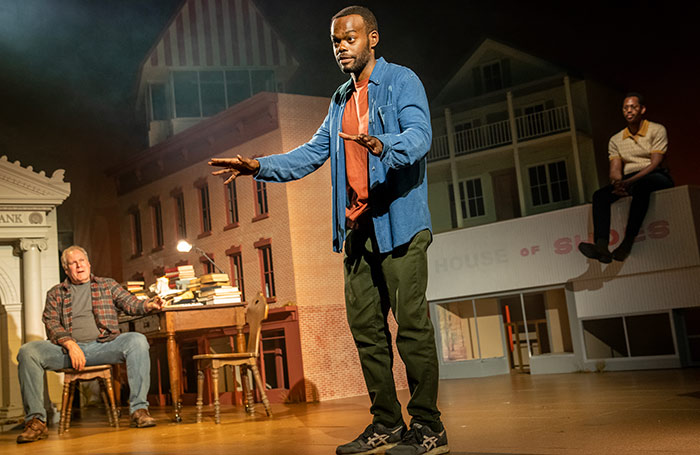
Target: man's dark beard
{"type": "Point", "coordinates": [360, 61]}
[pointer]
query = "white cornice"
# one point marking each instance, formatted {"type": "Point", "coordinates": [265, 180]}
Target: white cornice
{"type": "Point", "coordinates": [23, 186]}
{"type": "Point", "coordinates": [27, 207]}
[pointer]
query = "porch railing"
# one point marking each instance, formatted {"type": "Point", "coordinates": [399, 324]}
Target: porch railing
{"type": "Point", "coordinates": [494, 135]}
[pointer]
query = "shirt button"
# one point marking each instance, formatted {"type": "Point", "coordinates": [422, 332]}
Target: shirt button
{"type": "Point", "coordinates": [372, 167]}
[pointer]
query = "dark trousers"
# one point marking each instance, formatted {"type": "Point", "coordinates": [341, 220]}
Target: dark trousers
{"type": "Point", "coordinates": [374, 284]}
{"type": "Point", "coordinates": [640, 192]}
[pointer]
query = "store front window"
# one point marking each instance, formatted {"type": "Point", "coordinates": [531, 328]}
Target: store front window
{"type": "Point", "coordinates": [629, 336]}
{"type": "Point", "coordinates": [517, 325]}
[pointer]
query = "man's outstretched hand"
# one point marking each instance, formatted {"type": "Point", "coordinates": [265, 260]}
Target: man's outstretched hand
{"type": "Point", "coordinates": [235, 167]}
{"type": "Point", "coordinates": [372, 144]}
{"type": "Point", "coordinates": [155, 303]}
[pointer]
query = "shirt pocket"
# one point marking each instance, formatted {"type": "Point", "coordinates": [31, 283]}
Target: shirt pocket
{"type": "Point", "coordinates": [389, 119]}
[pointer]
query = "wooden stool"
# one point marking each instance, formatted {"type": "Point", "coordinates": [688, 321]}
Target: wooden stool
{"type": "Point", "coordinates": [103, 373]}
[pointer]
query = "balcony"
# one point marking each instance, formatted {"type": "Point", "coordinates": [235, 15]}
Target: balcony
{"type": "Point", "coordinates": [530, 126]}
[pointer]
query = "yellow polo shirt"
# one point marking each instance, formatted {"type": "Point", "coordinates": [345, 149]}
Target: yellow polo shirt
{"type": "Point", "coordinates": [635, 150]}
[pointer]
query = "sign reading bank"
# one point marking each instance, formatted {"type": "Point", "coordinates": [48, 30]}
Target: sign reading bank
{"type": "Point", "coordinates": [542, 250]}
{"type": "Point", "coordinates": [21, 218]}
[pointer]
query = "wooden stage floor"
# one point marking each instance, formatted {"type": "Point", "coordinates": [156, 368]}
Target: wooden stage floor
{"type": "Point", "coordinates": [641, 412]}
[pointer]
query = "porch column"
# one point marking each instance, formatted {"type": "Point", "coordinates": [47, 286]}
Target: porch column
{"type": "Point", "coordinates": [516, 152]}
{"type": "Point", "coordinates": [451, 147]}
{"type": "Point", "coordinates": [31, 276]}
{"type": "Point", "coordinates": [574, 140]}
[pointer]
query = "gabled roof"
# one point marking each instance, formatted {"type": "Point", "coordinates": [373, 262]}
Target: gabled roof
{"type": "Point", "coordinates": [21, 186]}
{"type": "Point", "coordinates": [218, 34]}
{"type": "Point", "coordinates": [491, 50]}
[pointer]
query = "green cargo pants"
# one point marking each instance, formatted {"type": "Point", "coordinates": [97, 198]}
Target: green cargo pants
{"type": "Point", "coordinates": [374, 284]}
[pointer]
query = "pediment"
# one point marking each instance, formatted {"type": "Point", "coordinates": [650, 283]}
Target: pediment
{"type": "Point", "coordinates": [23, 187]}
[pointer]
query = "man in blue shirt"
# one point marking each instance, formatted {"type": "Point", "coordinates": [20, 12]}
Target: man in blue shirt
{"type": "Point", "coordinates": [377, 134]}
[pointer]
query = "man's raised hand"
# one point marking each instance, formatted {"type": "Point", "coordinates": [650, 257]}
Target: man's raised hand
{"type": "Point", "coordinates": [235, 167]}
{"type": "Point", "coordinates": [372, 144]}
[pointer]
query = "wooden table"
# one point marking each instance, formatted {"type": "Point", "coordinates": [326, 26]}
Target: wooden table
{"type": "Point", "coordinates": [173, 320]}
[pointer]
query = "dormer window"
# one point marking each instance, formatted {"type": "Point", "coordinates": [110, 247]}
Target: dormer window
{"type": "Point", "coordinates": [492, 75]}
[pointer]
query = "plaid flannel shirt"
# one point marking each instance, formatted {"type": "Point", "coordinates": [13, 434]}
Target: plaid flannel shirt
{"type": "Point", "coordinates": [107, 297]}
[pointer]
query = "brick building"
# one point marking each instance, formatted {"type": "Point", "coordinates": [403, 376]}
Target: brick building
{"type": "Point", "coordinates": [275, 238]}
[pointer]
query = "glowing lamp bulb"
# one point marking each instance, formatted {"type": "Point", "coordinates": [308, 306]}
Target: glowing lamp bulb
{"type": "Point", "coordinates": [183, 246]}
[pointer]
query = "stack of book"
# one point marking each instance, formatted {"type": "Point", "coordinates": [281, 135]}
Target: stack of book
{"type": "Point", "coordinates": [185, 274]}
{"type": "Point", "coordinates": [136, 288]}
{"type": "Point", "coordinates": [214, 279]}
{"type": "Point", "coordinates": [221, 294]}
{"type": "Point", "coordinates": [172, 274]}
{"type": "Point", "coordinates": [215, 288]}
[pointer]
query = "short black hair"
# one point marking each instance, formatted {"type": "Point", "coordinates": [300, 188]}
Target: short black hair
{"type": "Point", "coordinates": [367, 16]}
{"type": "Point", "coordinates": [638, 95]}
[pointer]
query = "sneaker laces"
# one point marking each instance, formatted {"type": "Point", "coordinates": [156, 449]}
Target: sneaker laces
{"type": "Point", "coordinates": [369, 431]}
{"type": "Point", "coordinates": [372, 436]}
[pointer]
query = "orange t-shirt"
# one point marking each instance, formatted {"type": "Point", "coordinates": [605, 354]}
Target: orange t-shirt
{"type": "Point", "coordinates": [355, 121]}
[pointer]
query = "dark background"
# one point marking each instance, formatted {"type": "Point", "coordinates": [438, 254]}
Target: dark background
{"type": "Point", "coordinates": [70, 67]}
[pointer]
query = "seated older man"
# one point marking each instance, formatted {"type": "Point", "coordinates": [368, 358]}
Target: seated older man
{"type": "Point", "coordinates": [82, 327]}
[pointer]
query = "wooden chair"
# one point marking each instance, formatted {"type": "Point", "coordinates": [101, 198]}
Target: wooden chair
{"type": "Point", "coordinates": [256, 312]}
{"type": "Point", "coordinates": [103, 373]}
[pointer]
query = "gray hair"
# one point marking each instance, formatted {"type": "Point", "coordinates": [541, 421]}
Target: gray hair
{"type": "Point", "coordinates": [64, 255]}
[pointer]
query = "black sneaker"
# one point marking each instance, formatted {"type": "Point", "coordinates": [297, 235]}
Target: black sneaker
{"type": "Point", "coordinates": [375, 439]}
{"type": "Point", "coordinates": [421, 440]}
{"type": "Point", "coordinates": [595, 251]}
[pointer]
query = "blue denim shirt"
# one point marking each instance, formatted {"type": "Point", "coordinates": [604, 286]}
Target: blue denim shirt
{"type": "Point", "coordinates": [398, 196]}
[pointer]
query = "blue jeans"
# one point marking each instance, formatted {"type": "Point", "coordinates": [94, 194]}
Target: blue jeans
{"type": "Point", "coordinates": [36, 357]}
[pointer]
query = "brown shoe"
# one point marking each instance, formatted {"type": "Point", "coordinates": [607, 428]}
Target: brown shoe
{"type": "Point", "coordinates": [34, 430]}
{"type": "Point", "coordinates": [142, 419]}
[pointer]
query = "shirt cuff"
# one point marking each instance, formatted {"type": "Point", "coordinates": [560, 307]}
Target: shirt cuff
{"type": "Point", "coordinates": [387, 146]}
{"type": "Point", "coordinates": [63, 339]}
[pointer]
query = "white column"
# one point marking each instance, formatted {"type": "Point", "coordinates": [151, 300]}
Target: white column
{"type": "Point", "coordinates": [516, 152]}
{"type": "Point", "coordinates": [453, 165]}
{"type": "Point", "coordinates": [574, 140]}
{"type": "Point", "coordinates": [31, 277]}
